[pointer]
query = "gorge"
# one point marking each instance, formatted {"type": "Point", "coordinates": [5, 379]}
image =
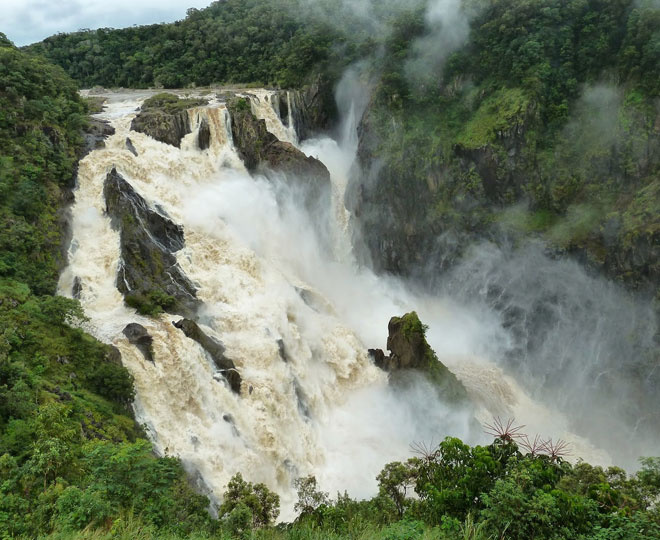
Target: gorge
{"type": "Point", "coordinates": [276, 286]}
{"type": "Point", "coordinates": [330, 269]}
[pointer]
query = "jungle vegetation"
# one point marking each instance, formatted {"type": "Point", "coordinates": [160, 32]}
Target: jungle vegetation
{"type": "Point", "coordinates": [559, 98]}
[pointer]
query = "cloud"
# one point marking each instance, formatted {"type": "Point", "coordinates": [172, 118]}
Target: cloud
{"type": "Point", "coordinates": [28, 21]}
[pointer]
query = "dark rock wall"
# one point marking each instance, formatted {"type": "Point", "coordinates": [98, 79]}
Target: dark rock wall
{"type": "Point", "coordinates": [263, 153]}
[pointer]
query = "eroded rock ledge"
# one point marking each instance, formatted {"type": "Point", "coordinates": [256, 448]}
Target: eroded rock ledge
{"type": "Point", "coordinates": [262, 152]}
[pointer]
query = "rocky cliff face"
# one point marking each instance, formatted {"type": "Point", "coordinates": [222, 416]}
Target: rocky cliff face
{"type": "Point", "coordinates": [149, 276]}
{"type": "Point", "coordinates": [418, 199]}
{"type": "Point", "coordinates": [95, 134]}
{"type": "Point", "coordinates": [313, 108]}
{"type": "Point", "coordinates": [164, 127]}
{"type": "Point", "coordinates": [409, 350]}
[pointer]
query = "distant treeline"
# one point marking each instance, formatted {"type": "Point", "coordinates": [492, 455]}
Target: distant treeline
{"type": "Point", "coordinates": [253, 41]}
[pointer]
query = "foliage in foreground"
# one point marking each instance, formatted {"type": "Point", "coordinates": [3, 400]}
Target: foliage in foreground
{"type": "Point", "coordinates": [452, 492]}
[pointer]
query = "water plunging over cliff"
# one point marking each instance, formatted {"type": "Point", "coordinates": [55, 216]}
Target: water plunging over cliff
{"type": "Point", "coordinates": [295, 318]}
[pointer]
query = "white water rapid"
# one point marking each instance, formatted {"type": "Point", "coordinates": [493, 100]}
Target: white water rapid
{"type": "Point", "coordinates": [327, 411]}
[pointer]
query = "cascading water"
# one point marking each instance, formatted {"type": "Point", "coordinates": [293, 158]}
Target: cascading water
{"type": "Point", "coordinates": [250, 249]}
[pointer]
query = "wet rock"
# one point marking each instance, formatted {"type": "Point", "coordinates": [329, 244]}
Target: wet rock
{"type": "Point", "coordinates": [204, 135]}
{"type": "Point", "coordinates": [314, 300]}
{"type": "Point", "coordinates": [230, 420]}
{"type": "Point", "coordinates": [113, 355]}
{"type": "Point", "coordinates": [164, 117]}
{"type": "Point", "coordinates": [264, 153]}
{"type": "Point", "coordinates": [215, 349]}
{"type": "Point", "coordinates": [95, 134]}
{"type": "Point", "coordinates": [137, 335]}
{"type": "Point", "coordinates": [380, 359]}
{"type": "Point", "coordinates": [301, 399]}
{"type": "Point", "coordinates": [130, 147]}
{"type": "Point", "coordinates": [166, 128]}
{"type": "Point", "coordinates": [77, 288]}
{"type": "Point", "coordinates": [409, 350]}
{"type": "Point", "coordinates": [313, 108]}
{"type": "Point", "coordinates": [283, 106]}
{"type": "Point", "coordinates": [281, 349]}
{"type": "Point", "coordinates": [149, 275]}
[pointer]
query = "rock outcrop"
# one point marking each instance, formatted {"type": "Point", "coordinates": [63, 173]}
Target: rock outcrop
{"type": "Point", "coordinates": [215, 350]}
{"type": "Point", "coordinates": [137, 335]}
{"type": "Point", "coordinates": [164, 117]}
{"type": "Point", "coordinates": [166, 128]}
{"type": "Point", "coordinates": [76, 289]}
{"type": "Point", "coordinates": [409, 350]}
{"type": "Point", "coordinates": [149, 275]}
{"type": "Point", "coordinates": [113, 355]}
{"type": "Point", "coordinates": [264, 153]}
{"type": "Point", "coordinates": [95, 134]}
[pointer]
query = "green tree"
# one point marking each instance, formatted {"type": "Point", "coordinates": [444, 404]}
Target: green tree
{"type": "Point", "coordinates": [263, 504]}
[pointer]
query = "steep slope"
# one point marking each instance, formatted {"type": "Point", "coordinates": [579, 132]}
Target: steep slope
{"type": "Point", "coordinates": [64, 396]}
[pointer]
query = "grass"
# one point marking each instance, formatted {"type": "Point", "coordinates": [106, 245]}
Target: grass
{"type": "Point", "coordinates": [497, 113]}
{"type": "Point", "coordinates": [171, 103]}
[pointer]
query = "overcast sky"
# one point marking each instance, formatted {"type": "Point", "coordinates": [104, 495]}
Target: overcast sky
{"type": "Point", "coordinates": [27, 21]}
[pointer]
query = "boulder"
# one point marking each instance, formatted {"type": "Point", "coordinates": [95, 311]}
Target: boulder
{"type": "Point", "coordinates": [215, 349]}
{"type": "Point", "coordinates": [409, 350]}
{"type": "Point", "coordinates": [95, 134]}
{"type": "Point", "coordinates": [137, 335]}
{"type": "Point", "coordinates": [149, 275]}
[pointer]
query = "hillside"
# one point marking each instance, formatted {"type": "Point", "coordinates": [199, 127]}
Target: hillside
{"type": "Point", "coordinates": [64, 397]}
{"type": "Point", "coordinates": [232, 41]}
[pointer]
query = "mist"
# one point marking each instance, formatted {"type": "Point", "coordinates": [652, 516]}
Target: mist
{"type": "Point", "coordinates": [447, 29]}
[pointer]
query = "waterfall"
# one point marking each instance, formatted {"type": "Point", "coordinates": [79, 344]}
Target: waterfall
{"type": "Point", "coordinates": [296, 319]}
{"type": "Point", "coordinates": [265, 106]}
